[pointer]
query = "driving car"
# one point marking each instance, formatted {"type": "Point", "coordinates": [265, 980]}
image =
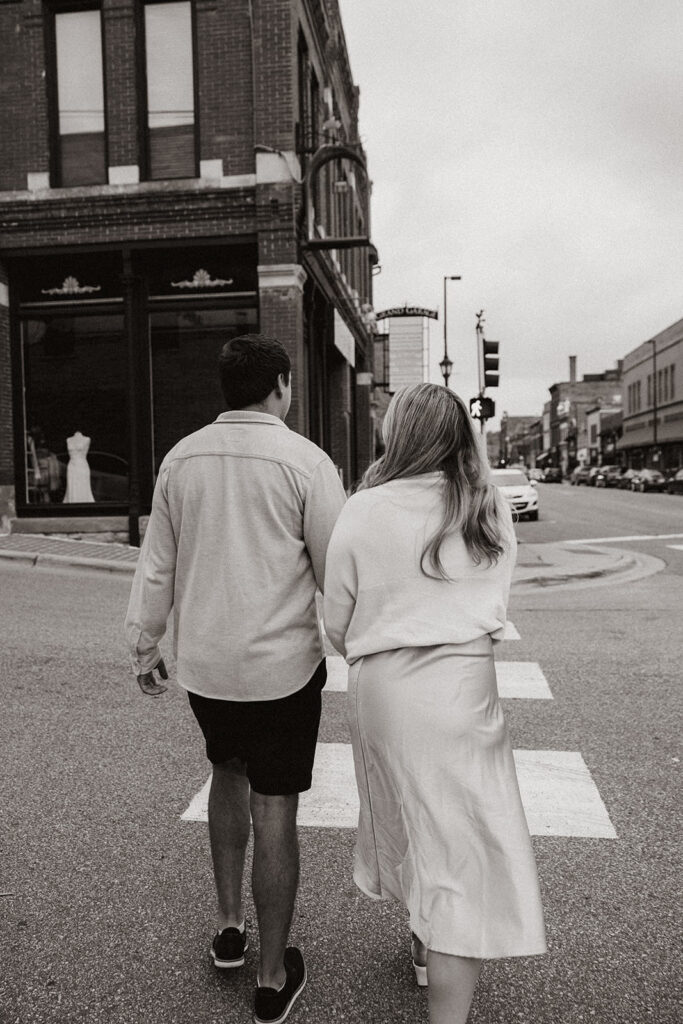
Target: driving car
{"type": "Point", "coordinates": [674, 484]}
{"type": "Point", "coordinates": [648, 480]}
{"type": "Point", "coordinates": [535, 474]}
{"type": "Point", "coordinates": [515, 487]}
{"type": "Point", "coordinates": [552, 475]}
{"type": "Point", "coordinates": [608, 476]}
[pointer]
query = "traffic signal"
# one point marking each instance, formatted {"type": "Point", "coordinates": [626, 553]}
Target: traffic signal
{"type": "Point", "coordinates": [490, 357]}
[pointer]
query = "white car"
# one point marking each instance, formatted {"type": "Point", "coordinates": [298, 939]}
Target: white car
{"type": "Point", "coordinates": [515, 486]}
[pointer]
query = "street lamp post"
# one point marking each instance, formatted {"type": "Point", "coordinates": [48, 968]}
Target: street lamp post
{"type": "Point", "coordinates": [446, 364]}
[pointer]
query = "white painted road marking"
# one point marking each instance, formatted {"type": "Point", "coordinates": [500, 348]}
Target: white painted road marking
{"type": "Point", "coordinates": [516, 679]}
{"type": "Point", "coordinates": [522, 679]}
{"type": "Point", "coordinates": [337, 673]}
{"type": "Point", "coordinates": [675, 547]}
{"type": "Point", "coordinates": [558, 793]}
{"type": "Point", "coordinates": [614, 540]}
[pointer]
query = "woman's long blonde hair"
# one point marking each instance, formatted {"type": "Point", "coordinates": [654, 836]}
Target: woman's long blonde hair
{"type": "Point", "coordinates": [428, 428]}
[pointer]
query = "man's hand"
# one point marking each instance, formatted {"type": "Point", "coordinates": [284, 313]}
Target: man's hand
{"type": "Point", "coordinates": [148, 683]}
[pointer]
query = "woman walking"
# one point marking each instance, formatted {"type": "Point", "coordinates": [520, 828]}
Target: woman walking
{"type": "Point", "coordinates": [416, 587]}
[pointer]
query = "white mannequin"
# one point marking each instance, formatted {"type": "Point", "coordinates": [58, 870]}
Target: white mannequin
{"type": "Point", "coordinates": [78, 471]}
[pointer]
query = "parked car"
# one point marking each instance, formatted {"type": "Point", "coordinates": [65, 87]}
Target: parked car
{"type": "Point", "coordinates": [592, 475]}
{"type": "Point", "coordinates": [515, 487]}
{"type": "Point", "coordinates": [625, 481]}
{"type": "Point", "coordinates": [579, 475]}
{"type": "Point", "coordinates": [535, 474]}
{"type": "Point", "coordinates": [648, 480]}
{"type": "Point", "coordinates": [552, 475]}
{"type": "Point", "coordinates": [608, 476]}
{"type": "Point", "coordinates": [674, 484]}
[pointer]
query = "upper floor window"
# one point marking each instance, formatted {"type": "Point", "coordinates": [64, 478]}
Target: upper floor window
{"type": "Point", "coordinates": [171, 145]}
{"type": "Point", "coordinates": [77, 100]}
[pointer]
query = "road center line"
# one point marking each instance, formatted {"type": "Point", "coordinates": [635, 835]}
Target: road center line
{"type": "Point", "coordinates": [615, 540]}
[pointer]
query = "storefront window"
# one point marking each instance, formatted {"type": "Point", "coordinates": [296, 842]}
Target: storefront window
{"type": "Point", "coordinates": [185, 385]}
{"type": "Point", "coordinates": [76, 433]}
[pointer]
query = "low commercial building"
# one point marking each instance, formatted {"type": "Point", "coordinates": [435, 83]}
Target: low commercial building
{"type": "Point", "coordinates": [653, 413]}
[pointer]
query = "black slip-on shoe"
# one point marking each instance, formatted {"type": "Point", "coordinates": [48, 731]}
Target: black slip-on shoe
{"type": "Point", "coordinates": [229, 946]}
{"type": "Point", "coordinates": [271, 1006]}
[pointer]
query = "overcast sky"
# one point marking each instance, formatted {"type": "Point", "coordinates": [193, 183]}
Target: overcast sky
{"type": "Point", "coordinates": [534, 147]}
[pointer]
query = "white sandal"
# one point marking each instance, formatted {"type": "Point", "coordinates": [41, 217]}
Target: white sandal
{"type": "Point", "coordinates": [420, 969]}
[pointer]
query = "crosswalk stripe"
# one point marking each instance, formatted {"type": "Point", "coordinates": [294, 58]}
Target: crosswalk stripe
{"type": "Point", "coordinates": [516, 679]}
{"type": "Point", "coordinates": [522, 679]}
{"type": "Point", "coordinates": [559, 795]}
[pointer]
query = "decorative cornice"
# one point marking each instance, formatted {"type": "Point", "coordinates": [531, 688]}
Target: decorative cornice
{"type": "Point", "coordinates": [202, 279]}
{"type": "Point", "coordinates": [72, 286]}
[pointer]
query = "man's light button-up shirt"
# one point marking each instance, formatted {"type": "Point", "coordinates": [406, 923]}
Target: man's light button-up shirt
{"type": "Point", "coordinates": [242, 515]}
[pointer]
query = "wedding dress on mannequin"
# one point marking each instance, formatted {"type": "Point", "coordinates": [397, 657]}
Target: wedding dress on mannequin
{"type": "Point", "coordinates": [77, 470]}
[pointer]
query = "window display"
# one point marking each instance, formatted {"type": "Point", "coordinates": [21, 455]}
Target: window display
{"type": "Point", "coordinates": [75, 409]}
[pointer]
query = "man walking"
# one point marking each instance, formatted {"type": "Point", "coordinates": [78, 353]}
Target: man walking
{"type": "Point", "coordinates": [242, 514]}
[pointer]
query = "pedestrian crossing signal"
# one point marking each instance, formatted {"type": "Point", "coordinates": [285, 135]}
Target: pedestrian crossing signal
{"type": "Point", "coordinates": [482, 408]}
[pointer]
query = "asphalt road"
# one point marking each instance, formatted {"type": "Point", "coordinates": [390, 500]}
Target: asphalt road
{"type": "Point", "coordinates": [107, 906]}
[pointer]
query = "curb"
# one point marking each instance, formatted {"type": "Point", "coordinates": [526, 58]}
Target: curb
{"type": "Point", "coordinates": [628, 567]}
{"type": "Point", "coordinates": [64, 561]}
{"type": "Point", "coordinates": [623, 563]}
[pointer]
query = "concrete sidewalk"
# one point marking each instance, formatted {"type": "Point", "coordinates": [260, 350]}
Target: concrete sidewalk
{"type": "Point", "coordinates": [538, 565]}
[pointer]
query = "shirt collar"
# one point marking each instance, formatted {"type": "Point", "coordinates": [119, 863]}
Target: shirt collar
{"type": "Point", "coordinates": [249, 416]}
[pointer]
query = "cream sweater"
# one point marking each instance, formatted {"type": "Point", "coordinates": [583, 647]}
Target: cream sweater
{"type": "Point", "coordinates": [376, 596]}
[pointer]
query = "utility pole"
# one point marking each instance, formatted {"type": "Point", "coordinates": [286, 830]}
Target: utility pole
{"type": "Point", "coordinates": [480, 359]}
{"type": "Point", "coordinates": [655, 454]}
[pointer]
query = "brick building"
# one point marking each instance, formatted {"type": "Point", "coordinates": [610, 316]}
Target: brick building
{"type": "Point", "coordinates": [569, 403]}
{"type": "Point", "coordinates": [172, 174]}
{"type": "Point", "coordinates": [520, 439]}
{"type": "Point", "coordinates": [653, 414]}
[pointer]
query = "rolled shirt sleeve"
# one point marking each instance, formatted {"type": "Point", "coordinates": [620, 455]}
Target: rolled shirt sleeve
{"type": "Point", "coordinates": [325, 498]}
{"type": "Point", "coordinates": [151, 597]}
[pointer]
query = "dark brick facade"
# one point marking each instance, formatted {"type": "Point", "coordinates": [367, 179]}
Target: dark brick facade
{"type": "Point", "coordinates": [248, 111]}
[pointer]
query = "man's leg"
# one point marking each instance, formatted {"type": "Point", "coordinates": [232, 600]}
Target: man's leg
{"type": "Point", "coordinates": [275, 876]}
{"type": "Point", "coordinates": [229, 834]}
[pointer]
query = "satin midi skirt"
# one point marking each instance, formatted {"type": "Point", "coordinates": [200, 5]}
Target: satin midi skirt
{"type": "Point", "coordinates": [441, 825]}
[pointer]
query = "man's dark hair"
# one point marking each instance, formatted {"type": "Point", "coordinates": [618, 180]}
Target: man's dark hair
{"type": "Point", "coordinates": [249, 367]}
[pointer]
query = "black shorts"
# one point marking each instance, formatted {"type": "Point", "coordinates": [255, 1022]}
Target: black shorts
{"type": "Point", "coordinates": [275, 739]}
